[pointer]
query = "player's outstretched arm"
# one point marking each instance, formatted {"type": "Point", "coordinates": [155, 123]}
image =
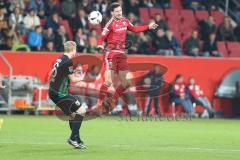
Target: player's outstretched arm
{"type": "Point", "coordinates": [133, 28]}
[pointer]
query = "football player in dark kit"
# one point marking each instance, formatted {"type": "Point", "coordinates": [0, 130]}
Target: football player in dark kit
{"type": "Point", "coordinates": [58, 92]}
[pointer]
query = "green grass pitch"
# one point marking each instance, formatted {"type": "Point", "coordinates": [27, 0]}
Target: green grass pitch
{"type": "Point", "coordinates": [44, 138]}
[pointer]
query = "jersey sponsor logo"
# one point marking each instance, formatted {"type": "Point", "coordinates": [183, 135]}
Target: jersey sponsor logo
{"type": "Point", "coordinates": [121, 29]}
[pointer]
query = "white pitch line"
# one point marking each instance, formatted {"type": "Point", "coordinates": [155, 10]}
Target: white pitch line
{"type": "Point", "coordinates": [124, 145]}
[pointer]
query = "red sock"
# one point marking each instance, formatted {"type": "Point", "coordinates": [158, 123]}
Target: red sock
{"type": "Point", "coordinates": [103, 92]}
{"type": "Point", "coordinates": [119, 91]}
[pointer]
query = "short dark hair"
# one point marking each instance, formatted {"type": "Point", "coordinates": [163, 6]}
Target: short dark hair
{"type": "Point", "coordinates": [178, 76]}
{"type": "Point", "coordinates": [113, 6]}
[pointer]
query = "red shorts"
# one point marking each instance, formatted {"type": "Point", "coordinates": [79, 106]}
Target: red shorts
{"type": "Point", "coordinates": [115, 61]}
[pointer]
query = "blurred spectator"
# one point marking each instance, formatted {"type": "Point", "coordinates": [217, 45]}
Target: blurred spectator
{"type": "Point", "coordinates": [131, 43]}
{"type": "Point", "coordinates": [210, 46]}
{"type": "Point", "coordinates": [161, 22]}
{"type": "Point", "coordinates": [31, 20]}
{"type": "Point", "coordinates": [132, 18]}
{"type": "Point", "coordinates": [53, 22]}
{"type": "Point", "coordinates": [100, 6]}
{"type": "Point", "coordinates": [192, 45]}
{"type": "Point", "coordinates": [36, 5]}
{"type": "Point", "coordinates": [51, 6]}
{"type": "Point", "coordinates": [81, 40]}
{"type": "Point", "coordinates": [207, 27]}
{"type": "Point", "coordinates": [1, 82]}
{"type": "Point", "coordinates": [179, 95]}
{"type": "Point", "coordinates": [48, 35]}
{"type": "Point", "coordinates": [85, 5]}
{"type": "Point", "coordinates": [153, 79]}
{"type": "Point", "coordinates": [132, 6]}
{"type": "Point", "coordinates": [19, 44]}
{"type": "Point", "coordinates": [211, 4]}
{"type": "Point", "coordinates": [68, 9]}
{"type": "Point", "coordinates": [199, 98]}
{"type": "Point", "coordinates": [16, 21]}
{"type": "Point", "coordinates": [194, 4]}
{"type": "Point", "coordinates": [16, 3]}
{"type": "Point", "coordinates": [162, 44]}
{"type": "Point", "coordinates": [50, 47]}
{"type": "Point", "coordinates": [225, 30]}
{"type": "Point", "coordinates": [237, 13]}
{"type": "Point", "coordinates": [237, 31]}
{"type": "Point", "coordinates": [80, 21]}
{"type": "Point", "coordinates": [35, 39]}
{"type": "Point", "coordinates": [142, 43]}
{"type": "Point", "coordinates": [3, 25]}
{"type": "Point", "coordinates": [147, 3]}
{"type": "Point", "coordinates": [175, 45]}
{"type": "Point", "coordinates": [162, 3]}
{"type": "Point", "coordinates": [60, 37]}
{"type": "Point", "coordinates": [92, 42]}
{"type": "Point", "coordinates": [7, 44]}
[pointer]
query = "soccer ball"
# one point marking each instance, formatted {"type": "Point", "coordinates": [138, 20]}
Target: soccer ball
{"type": "Point", "coordinates": [95, 17]}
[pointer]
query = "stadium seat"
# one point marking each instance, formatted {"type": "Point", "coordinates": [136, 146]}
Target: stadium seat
{"type": "Point", "coordinates": [144, 15]}
{"type": "Point", "coordinates": [200, 15]}
{"type": "Point", "coordinates": [154, 11]}
{"type": "Point", "coordinates": [234, 48]}
{"type": "Point", "coordinates": [187, 15]}
{"type": "Point", "coordinates": [222, 48]}
{"type": "Point", "coordinates": [67, 27]}
{"type": "Point", "coordinates": [218, 16]}
{"type": "Point", "coordinates": [176, 4]}
{"type": "Point", "coordinates": [187, 27]}
{"type": "Point", "coordinates": [172, 14]}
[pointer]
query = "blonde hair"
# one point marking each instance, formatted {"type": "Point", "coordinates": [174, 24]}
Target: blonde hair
{"type": "Point", "coordinates": [69, 46]}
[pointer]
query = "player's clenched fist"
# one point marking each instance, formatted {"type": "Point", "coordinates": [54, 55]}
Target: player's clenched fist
{"type": "Point", "coordinates": [152, 25]}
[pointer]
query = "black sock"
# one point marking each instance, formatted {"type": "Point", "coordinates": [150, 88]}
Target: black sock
{"type": "Point", "coordinates": [75, 127]}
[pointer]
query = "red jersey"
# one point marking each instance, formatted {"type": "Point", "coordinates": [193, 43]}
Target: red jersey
{"type": "Point", "coordinates": [179, 89]}
{"type": "Point", "coordinates": [115, 32]}
{"type": "Point", "coordinates": [195, 90]}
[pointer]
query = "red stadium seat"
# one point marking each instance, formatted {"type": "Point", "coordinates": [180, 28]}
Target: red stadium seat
{"type": "Point", "coordinates": [154, 11]}
{"type": "Point", "coordinates": [234, 49]}
{"type": "Point", "coordinates": [222, 48]}
{"type": "Point", "coordinates": [144, 15]}
{"type": "Point", "coordinates": [188, 26]}
{"type": "Point", "coordinates": [176, 4]}
{"type": "Point", "coordinates": [218, 16]}
{"type": "Point", "coordinates": [187, 15]}
{"type": "Point", "coordinates": [172, 14]}
{"type": "Point", "coordinates": [174, 26]}
{"type": "Point", "coordinates": [67, 27]}
{"type": "Point", "coordinates": [200, 15]}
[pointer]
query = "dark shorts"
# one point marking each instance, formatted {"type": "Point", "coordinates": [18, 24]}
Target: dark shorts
{"type": "Point", "coordinates": [68, 104]}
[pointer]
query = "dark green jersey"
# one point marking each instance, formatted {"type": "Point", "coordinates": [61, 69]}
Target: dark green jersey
{"type": "Point", "coordinates": [59, 82]}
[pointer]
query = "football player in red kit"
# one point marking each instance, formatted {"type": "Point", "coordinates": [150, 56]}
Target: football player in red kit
{"type": "Point", "coordinates": [114, 57]}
